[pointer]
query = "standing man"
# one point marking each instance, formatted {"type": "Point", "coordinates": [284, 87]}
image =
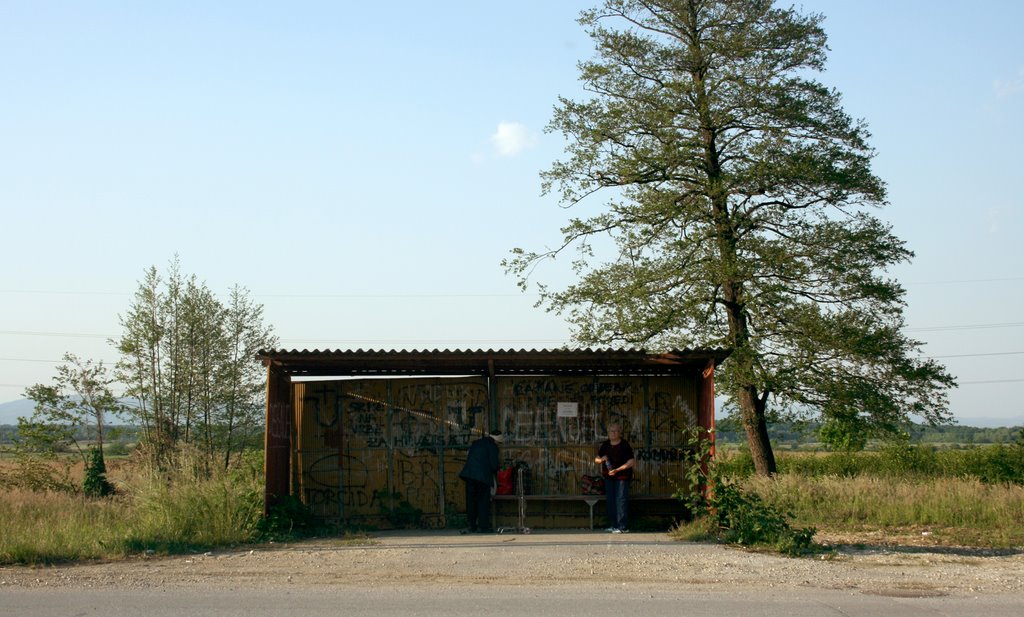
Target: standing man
{"type": "Point", "coordinates": [616, 459]}
{"type": "Point", "coordinates": [479, 476]}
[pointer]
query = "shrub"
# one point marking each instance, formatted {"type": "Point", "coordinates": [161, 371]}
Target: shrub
{"type": "Point", "coordinates": [37, 472]}
{"type": "Point", "coordinates": [95, 483]}
{"type": "Point", "coordinates": [398, 511]}
{"type": "Point", "coordinates": [289, 518]}
{"type": "Point", "coordinates": [742, 517]}
{"type": "Point", "coordinates": [728, 513]}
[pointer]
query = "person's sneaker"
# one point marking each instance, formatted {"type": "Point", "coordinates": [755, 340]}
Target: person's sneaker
{"type": "Point", "coordinates": [616, 531]}
{"type": "Point", "coordinates": [623, 531]}
{"type": "Point", "coordinates": [611, 530]}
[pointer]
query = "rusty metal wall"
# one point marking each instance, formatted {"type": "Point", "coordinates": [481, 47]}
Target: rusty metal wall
{"type": "Point", "coordinates": [359, 441]}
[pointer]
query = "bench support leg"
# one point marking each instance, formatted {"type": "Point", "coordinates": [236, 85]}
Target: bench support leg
{"type": "Point", "coordinates": [591, 501]}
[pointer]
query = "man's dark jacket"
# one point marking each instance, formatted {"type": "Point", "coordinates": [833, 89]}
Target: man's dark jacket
{"type": "Point", "coordinates": [482, 461]}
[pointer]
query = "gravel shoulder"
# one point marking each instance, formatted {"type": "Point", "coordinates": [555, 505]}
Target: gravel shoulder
{"type": "Point", "coordinates": [544, 558]}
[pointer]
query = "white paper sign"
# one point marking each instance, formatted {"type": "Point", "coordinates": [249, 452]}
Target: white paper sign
{"type": "Point", "coordinates": [568, 410]}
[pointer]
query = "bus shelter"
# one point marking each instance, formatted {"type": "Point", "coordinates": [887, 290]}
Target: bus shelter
{"type": "Point", "coordinates": [379, 437]}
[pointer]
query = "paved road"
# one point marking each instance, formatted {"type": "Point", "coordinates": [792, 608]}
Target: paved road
{"type": "Point", "coordinates": [474, 600]}
{"type": "Point", "coordinates": [548, 573]}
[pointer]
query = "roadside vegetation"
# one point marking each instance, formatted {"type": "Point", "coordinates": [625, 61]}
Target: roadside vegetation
{"type": "Point", "coordinates": [181, 507]}
{"type": "Point", "coordinates": [175, 509]}
{"type": "Point", "coordinates": [901, 493]}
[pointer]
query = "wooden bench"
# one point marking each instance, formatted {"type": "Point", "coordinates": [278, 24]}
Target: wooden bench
{"type": "Point", "coordinates": [590, 500]}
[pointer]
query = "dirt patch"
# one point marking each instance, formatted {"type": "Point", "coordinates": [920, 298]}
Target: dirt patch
{"type": "Point", "coordinates": [443, 558]}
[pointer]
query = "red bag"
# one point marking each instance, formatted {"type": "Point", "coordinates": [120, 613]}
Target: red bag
{"type": "Point", "coordinates": [592, 485]}
{"type": "Point", "coordinates": [505, 479]}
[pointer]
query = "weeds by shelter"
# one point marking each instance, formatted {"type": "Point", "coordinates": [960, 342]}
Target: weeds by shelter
{"type": "Point", "coordinates": [972, 497]}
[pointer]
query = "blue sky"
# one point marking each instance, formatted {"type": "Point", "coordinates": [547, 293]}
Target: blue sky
{"type": "Point", "coordinates": [364, 169]}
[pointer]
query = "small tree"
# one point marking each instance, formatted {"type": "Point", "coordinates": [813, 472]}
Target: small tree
{"type": "Point", "coordinates": [73, 407]}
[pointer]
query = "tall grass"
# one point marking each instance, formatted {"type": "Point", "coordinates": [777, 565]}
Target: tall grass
{"type": "Point", "coordinates": [956, 510]}
{"type": "Point", "coordinates": [187, 512]}
{"type": "Point", "coordinates": [973, 496]}
{"type": "Point", "coordinates": [41, 527]}
{"type": "Point", "coordinates": [988, 464]}
{"type": "Point", "coordinates": [168, 510]}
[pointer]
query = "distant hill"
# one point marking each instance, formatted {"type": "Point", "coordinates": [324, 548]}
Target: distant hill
{"type": "Point", "coordinates": [9, 412]}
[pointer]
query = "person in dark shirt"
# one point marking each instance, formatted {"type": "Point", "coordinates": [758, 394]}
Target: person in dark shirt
{"type": "Point", "coordinates": [479, 475]}
{"type": "Point", "coordinates": [617, 461]}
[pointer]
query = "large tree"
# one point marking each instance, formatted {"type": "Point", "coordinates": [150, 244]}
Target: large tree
{"type": "Point", "coordinates": [739, 199]}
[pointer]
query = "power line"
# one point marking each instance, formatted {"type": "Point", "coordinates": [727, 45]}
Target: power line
{"type": "Point", "coordinates": [58, 334]}
{"type": "Point", "coordinates": [399, 296]}
{"type": "Point", "coordinates": [1015, 324]}
{"type": "Point", "coordinates": [1012, 324]}
{"type": "Point", "coordinates": [426, 295]}
{"type": "Point", "coordinates": [290, 295]}
{"type": "Point", "coordinates": [66, 292]}
{"type": "Point", "coordinates": [958, 281]}
{"type": "Point", "coordinates": [991, 381]}
{"type": "Point", "coordinates": [304, 340]}
{"type": "Point", "coordinates": [48, 361]}
{"type": "Point", "coordinates": [975, 355]}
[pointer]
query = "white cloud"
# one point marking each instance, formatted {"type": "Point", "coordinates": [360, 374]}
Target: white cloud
{"type": "Point", "coordinates": [1009, 87]}
{"type": "Point", "coordinates": [512, 138]}
{"type": "Point", "coordinates": [995, 219]}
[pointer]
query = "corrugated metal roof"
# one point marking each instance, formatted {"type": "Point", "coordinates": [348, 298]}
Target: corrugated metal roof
{"type": "Point", "coordinates": [321, 363]}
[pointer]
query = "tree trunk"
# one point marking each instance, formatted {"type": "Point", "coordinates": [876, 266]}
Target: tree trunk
{"type": "Point", "coordinates": [752, 406]}
{"type": "Point", "coordinates": [756, 425]}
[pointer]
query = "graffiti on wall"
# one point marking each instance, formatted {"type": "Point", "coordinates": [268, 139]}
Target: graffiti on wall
{"type": "Point", "coordinates": [358, 438]}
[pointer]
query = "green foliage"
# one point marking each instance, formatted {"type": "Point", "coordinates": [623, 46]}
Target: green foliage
{"type": "Point", "coordinates": [743, 517]}
{"type": "Point", "coordinates": [735, 464]}
{"type": "Point", "coordinates": [723, 510]}
{"type": "Point", "coordinates": [842, 436]}
{"type": "Point", "coordinates": [739, 208]}
{"type": "Point", "coordinates": [397, 510]}
{"type": "Point", "coordinates": [290, 518]}
{"type": "Point", "coordinates": [455, 519]}
{"type": "Point", "coordinates": [95, 483]}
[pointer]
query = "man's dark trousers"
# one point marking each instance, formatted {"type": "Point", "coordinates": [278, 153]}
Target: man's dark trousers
{"type": "Point", "coordinates": [478, 505]}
